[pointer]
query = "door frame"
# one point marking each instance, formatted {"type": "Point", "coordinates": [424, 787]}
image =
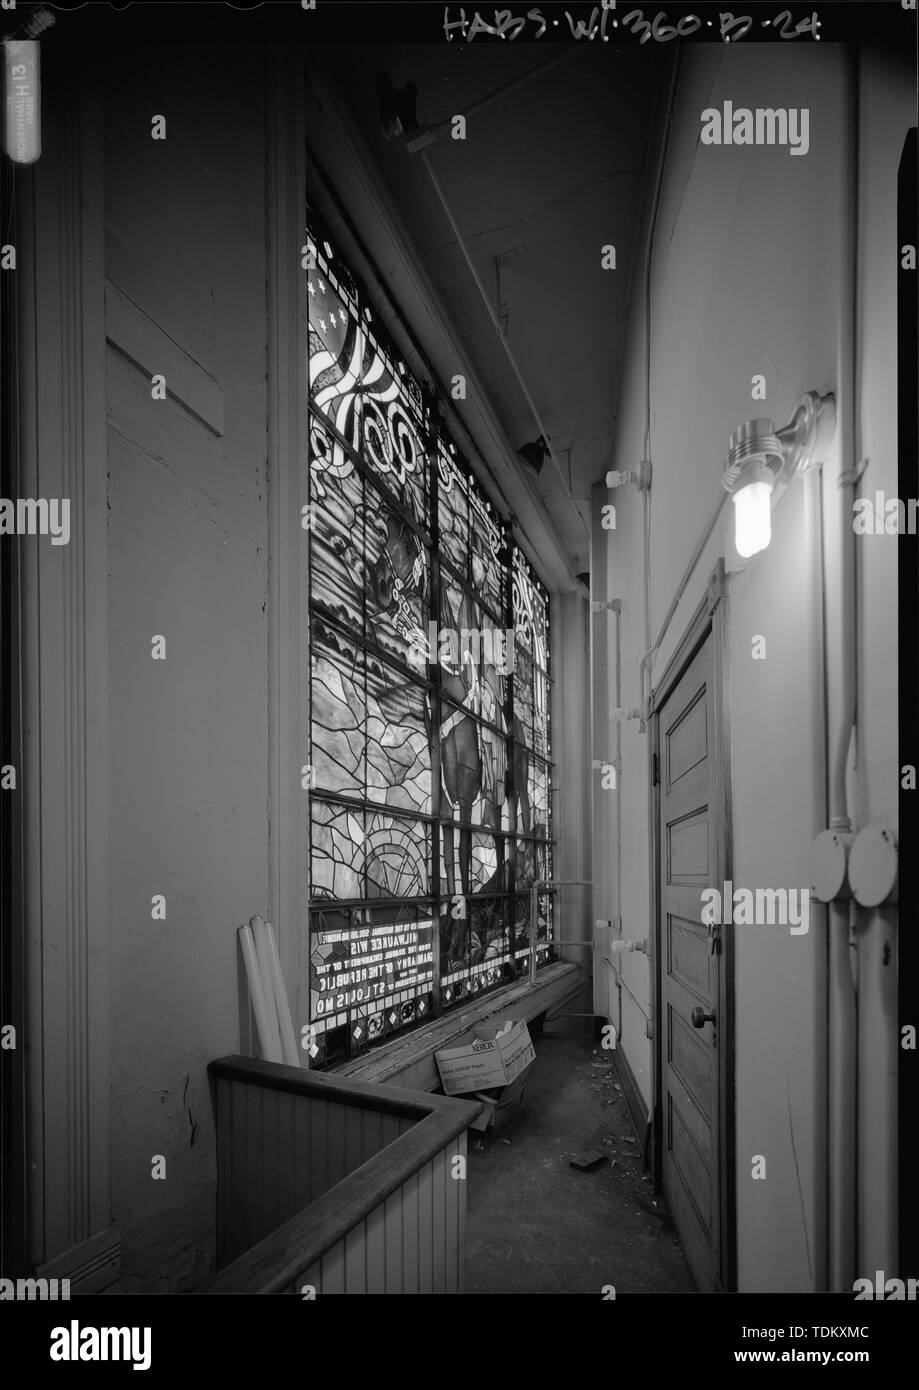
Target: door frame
{"type": "Point", "coordinates": [711, 617]}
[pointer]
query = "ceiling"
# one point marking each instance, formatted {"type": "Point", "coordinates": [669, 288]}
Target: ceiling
{"type": "Point", "coordinates": [548, 175]}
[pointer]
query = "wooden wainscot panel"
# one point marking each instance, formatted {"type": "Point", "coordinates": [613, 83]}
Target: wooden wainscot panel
{"type": "Point", "coordinates": [392, 1221]}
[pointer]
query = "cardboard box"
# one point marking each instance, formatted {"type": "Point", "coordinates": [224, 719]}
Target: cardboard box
{"type": "Point", "coordinates": [491, 1056]}
{"type": "Point", "coordinates": [501, 1105]}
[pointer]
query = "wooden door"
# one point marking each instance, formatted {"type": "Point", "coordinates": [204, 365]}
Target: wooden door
{"type": "Point", "coordinates": [689, 964]}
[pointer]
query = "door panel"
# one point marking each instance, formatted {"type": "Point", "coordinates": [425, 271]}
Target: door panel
{"type": "Point", "coordinates": [687, 953]}
{"type": "Point", "coordinates": [687, 844]}
{"type": "Point", "coordinates": [689, 832]}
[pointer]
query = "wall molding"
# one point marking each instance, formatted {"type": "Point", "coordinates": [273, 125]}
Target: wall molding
{"type": "Point", "coordinates": [65, 674]}
{"type": "Point", "coordinates": [92, 1266]}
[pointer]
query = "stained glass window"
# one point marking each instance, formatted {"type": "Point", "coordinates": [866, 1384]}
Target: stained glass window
{"type": "Point", "coordinates": [430, 805]}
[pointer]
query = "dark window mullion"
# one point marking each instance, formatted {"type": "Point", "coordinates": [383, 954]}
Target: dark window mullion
{"type": "Point", "coordinates": [318, 614]}
{"type": "Point", "coordinates": [494, 610]}
{"type": "Point", "coordinates": [477, 718]}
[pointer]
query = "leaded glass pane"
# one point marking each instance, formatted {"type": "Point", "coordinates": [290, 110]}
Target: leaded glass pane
{"type": "Point", "coordinates": [473, 762]}
{"type": "Point", "coordinates": [486, 572]}
{"type": "Point", "coordinates": [338, 704]}
{"type": "Point", "coordinates": [452, 510]}
{"type": "Point", "coordinates": [398, 740]}
{"type": "Point", "coordinates": [367, 854]}
{"type": "Point", "coordinates": [489, 862]}
{"type": "Point", "coordinates": [337, 850]}
{"type": "Point", "coordinates": [394, 574]}
{"type": "Point", "coordinates": [532, 863]}
{"type": "Point", "coordinates": [544, 929]}
{"type": "Point", "coordinates": [336, 533]}
{"type": "Point", "coordinates": [371, 974]}
{"type": "Point", "coordinates": [523, 698]}
{"type": "Point", "coordinates": [369, 726]}
{"type": "Point", "coordinates": [372, 403]}
{"type": "Point", "coordinates": [539, 797]}
{"type": "Point", "coordinates": [397, 856]}
{"type": "Point", "coordinates": [475, 950]}
{"type": "Point", "coordinates": [472, 654]}
{"type": "Point", "coordinates": [531, 685]}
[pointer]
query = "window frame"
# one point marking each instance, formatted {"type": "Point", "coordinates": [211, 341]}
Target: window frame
{"type": "Point", "coordinates": [437, 443]}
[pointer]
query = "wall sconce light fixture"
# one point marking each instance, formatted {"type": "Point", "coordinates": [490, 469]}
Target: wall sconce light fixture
{"type": "Point", "coordinates": [535, 453]}
{"type": "Point", "coordinates": [761, 459]}
{"type": "Point", "coordinates": [397, 107]}
{"type": "Point", "coordinates": [639, 477]}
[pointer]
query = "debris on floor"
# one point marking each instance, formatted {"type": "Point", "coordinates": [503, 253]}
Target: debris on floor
{"type": "Point", "coordinates": [585, 1162]}
{"type": "Point", "coordinates": [534, 1224]}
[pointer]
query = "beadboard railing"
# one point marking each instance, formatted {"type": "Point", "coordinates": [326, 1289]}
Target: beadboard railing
{"type": "Point", "coordinates": [336, 1186]}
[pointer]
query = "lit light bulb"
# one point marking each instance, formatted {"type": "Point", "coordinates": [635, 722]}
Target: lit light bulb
{"type": "Point", "coordinates": [752, 518]}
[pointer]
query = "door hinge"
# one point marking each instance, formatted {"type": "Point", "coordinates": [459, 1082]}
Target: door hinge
{"type": "Point", "coordinates": [714, 939]}
{"type": "Point", "coordinates": [655, 774]}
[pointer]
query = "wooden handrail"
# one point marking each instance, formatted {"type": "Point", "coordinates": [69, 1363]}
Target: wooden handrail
{"type": "Point", "coordinates": [338, 1090]}
{"type": "Point", "coordinates": [295, 1246]}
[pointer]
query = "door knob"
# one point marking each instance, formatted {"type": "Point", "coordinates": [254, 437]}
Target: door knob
{"type": "Point", "coordinates": [699, 1017]}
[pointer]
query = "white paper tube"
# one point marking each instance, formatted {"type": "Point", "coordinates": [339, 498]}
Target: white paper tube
{"type": "Point", "coordinates": [266, 945]}
{"type": "Point", "coordinates": [269, 1041]}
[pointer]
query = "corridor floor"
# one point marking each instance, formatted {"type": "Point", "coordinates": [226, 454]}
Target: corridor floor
{"type": "Point", "coordinates": [537, 1225]}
